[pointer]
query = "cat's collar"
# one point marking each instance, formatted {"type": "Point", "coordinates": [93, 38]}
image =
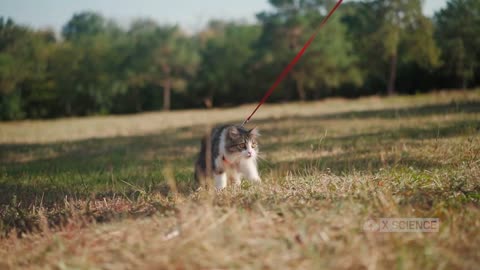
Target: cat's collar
{"type": "Point", "coordinates": [226, 161]}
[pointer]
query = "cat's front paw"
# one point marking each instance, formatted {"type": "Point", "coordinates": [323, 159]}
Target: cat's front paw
{"type": "Point", "coordinates": [256, 180]}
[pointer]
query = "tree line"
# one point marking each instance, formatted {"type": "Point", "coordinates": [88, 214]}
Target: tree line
{"type": "Point", "coordinates": [368, 47]}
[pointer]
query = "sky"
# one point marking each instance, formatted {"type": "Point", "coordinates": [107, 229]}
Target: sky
{"type": "Point", "coordinates": [191, 15]}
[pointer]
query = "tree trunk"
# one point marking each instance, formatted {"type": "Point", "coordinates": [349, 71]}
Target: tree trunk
{"type": "Point", "coordinates": [300, 89]}
{"type": "Point", "coordinates": [68, 108]}
{"type": "Point", "coordinates": [208, 101]}
{"type": "Point", "coordinates": [138, 104]}
{"type": "Point", "coordinates": [393, 75]}
{"type": "Point", "coordinates": [166, 94]}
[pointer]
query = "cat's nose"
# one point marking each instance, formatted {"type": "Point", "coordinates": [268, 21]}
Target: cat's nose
{"type": "Point", "coordinates": [249, 154]}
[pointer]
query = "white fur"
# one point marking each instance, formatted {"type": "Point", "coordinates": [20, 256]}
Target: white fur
{"type": "Point", "coordinates": [239, 165]}
{"type": "Point", "coordinates": [249, 170]}
{"type": "Point", "coordinates": [221, 180]}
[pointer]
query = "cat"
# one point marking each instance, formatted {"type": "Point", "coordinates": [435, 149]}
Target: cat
{"type": "Point", "coordinates": [229, 152]}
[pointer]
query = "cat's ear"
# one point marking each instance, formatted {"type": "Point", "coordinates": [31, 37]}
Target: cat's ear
{"type": "Point", "coordinates": [233, 133]}
{"type": "Point", "coordinates": [254, 132]}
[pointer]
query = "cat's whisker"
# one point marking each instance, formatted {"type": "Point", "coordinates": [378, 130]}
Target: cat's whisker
{"type": "Point", "coordinates": [263, 160]}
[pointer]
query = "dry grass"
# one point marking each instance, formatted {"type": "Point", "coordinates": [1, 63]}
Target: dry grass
{"type": "Point", "coordinates": [99, 199]}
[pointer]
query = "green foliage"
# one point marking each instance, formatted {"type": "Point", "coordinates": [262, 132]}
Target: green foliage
{"type": "Point", "coordinates": [11, 106]}
{"type": "Point", "coordinates": [367, 46]}
{"type": "Point", "coordinates": [14, 51]}
{"type": "Point", "coordinates": [23, 66]}
{"type": "Point", "coordinates": [84, 24]}
{"type": "Point", "coordinates": [458, 36]}
{"type": "Point", "coordinates": [393, 33]}
{"type": "Point", "coordinates": [225, 52]}
{"type": "Point", "coordinates": [329, 61]}
{"type": "Point", "coordinates": [158, 58]}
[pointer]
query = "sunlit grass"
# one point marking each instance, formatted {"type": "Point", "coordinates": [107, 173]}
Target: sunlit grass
{"type": "Point", "coordinates": [113, 192]}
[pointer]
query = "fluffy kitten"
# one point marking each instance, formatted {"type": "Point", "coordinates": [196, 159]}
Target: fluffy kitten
{"type": "Point", "coordinates": [230, 153]}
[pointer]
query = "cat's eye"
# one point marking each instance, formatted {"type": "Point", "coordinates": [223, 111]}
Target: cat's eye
{"type": "Point", "coordinates": [241, 145]}
{"type": "Point", "coordinates": [254, 145]}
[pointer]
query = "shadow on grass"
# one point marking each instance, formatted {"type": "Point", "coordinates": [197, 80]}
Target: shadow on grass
{"type": "Point", "coordinates": [406, 112]}
{"type": "Point", "coordinates": [122, 165]}
{"type": "Point", "coordinates": [350, 162]}
{"type": "Point", "coordinates": [136, 164]}
{"type": "Point", "coordinates": [362, 151]}
{"type": "Point", "coordinates": [426, 110]}
{"type": "Point", "coordinates": [100, 154]}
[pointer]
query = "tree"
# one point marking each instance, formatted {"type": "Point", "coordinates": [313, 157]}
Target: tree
{"type": "Point", "coordinates": [160, 57]}
{"type": "Point", "coordinates": [36, 87]}
{"type": "Point", "coordinates": [401, 23]}
{"type": "Point", "coordinates": [222, 75]}
{"type": "Point", "coordinates": [12, 42]}
{"type": "Point", "coordinates": [84, 24]}
{"type": "Point", "coordinates": [458, 34]}
{"type": "Point", "coordinates": [177, 59]}
{"type": "Point", "coordinates": [99, 68]}
{"type": "Point", "coordinates": [23, 61]}
{"type": "Point", "coordinates": [65, 63]}
{"type": "Point", "coordinates": [85, 67]}
{"type": "Point", "coordinates": [329, 61]}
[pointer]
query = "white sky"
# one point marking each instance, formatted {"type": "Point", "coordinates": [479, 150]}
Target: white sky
{"type": "Point", "coordinates": [191, 15]}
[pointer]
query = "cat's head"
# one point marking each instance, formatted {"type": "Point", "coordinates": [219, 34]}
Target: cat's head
{"type": "Point", "coordinates": [241, 141]}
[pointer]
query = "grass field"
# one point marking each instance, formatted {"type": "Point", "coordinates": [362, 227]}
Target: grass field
{"type": "Point", "coordinates": [116, 192]}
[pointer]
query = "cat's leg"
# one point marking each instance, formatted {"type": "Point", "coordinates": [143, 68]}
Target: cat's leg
{"type": "Point", "coordinates": [249, 169]}
{"type": "Point", "coordinates": [219, 174]}
{"type": "Point", "coordinates": [235, 177]}
{"type": "Point", "coordinates": [220, 180]}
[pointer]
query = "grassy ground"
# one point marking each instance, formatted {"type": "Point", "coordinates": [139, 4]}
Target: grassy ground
{"type": "Point", "coordinates": [116, 192]}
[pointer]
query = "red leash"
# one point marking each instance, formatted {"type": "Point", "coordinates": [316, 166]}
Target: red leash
{"type": "Point", "coordinates": [292, 63]}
